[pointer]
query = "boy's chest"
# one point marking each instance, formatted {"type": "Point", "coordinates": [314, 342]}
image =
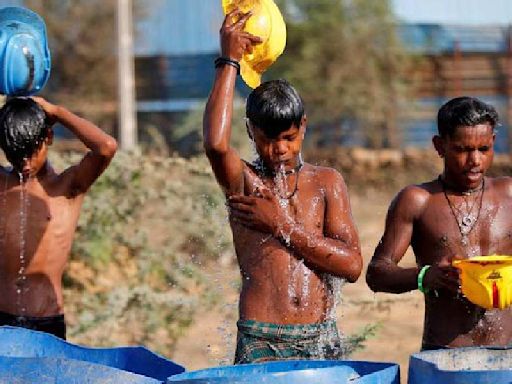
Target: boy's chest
{"type": "Point", "coordinates": [445, 230]}
{"type": "Point", "coordinates": [38, 211]}
{"type": "Point", "coordinates": [301, 198]}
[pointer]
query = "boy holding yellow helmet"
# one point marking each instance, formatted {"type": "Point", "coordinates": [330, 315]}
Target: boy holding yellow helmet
{"type": "Point", "coordinates": [459, 215]}
{"type": "Point", "coordinates": [292, 226]}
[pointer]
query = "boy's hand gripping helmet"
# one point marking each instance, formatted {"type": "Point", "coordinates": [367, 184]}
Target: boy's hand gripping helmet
{"type": "Point", "coordinates": [24, 55]}
{"type": "Point", "coordinates": [267, 23]}
{"type": "Point", "coordinates": [487, 280]}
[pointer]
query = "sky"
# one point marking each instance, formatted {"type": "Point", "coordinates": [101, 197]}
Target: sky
{"type": "Point", "coordinates": [468, 12]}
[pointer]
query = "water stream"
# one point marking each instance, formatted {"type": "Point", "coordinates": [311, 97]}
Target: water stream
{"type": "Point", "coordinates": [22, 278]}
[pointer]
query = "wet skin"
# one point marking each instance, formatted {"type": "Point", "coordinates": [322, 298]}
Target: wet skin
{"type": "Point", "coordinates": [421, 217]}
{"type": "Point", "coordinates": [288, 283]}
{"type": "Point", "coordinates": [54, 201]}
{"type": "Point", "coordinates": [285, 251]}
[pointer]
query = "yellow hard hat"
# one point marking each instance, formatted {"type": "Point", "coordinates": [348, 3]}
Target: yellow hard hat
{"type": "Point", "coordinates": [267, 23]}
{"type": "Point", "coordinates": [487, 280]}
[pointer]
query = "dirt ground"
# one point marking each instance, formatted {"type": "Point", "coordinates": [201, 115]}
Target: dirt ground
{"type": "Point", "coordinates": [210, 340]}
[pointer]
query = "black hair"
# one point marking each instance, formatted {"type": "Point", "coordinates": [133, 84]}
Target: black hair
{"type": "Point", "coordinates": [274, 107]}
{"type": "Point", "coordinates": [464, 111]}
{"type": "Point", "coordinates": [23, 129]}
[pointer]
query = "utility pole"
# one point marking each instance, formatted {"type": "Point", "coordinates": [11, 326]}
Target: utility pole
{"type": "Point", "coordinates": [127, 117]}
{"type": "Point", "coordinates": [508, 88]}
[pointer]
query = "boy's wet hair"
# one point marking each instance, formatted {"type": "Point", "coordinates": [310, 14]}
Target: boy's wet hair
{"type": "Point", "coordinates": [464, 111]}
{"type": "Point", "coordinates": [23, 129]}
{"type": "Point", "coordinates": [274, 106]}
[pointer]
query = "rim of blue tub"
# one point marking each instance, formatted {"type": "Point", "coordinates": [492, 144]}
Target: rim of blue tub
{"type": "Point", "coordinates": [21, 342]}
{"type": "Point", "coordinates": [425, 367]}
{"type": "Point", "coordinates": [291, 371]}
{"type": "Point", "coordinates": [421, 356]}
{"type": "Point", "coordinates": [58, 370]}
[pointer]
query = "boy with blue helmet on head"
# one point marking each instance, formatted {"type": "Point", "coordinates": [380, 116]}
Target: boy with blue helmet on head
{"type": "Point", "coordinates": [39, 207]}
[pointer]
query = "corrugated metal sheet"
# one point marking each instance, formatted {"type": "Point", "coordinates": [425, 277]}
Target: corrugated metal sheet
{"type": "Point", "coordinates": [10, 3]}
{"type": "Point", "coordinates": [177, 27]}
{"type": "Point", "coordinates": [436, 38]}
{"type": "Point", "coordinates": [476, 12]}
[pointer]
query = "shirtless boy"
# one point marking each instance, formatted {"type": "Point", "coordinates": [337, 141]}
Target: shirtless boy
{"type": "Point", "coordinates": [291, 221]}
{"type": "Point", "coordinates": [461, 214]}
{"type": "Point", "coordinates": [40, 209]}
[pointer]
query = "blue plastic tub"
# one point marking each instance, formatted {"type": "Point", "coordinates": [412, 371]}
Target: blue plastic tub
{"type": "Point", "coordinates": [462, 366]}
{"type": "Point", "coordinates": [18, 370]}
{"type": "Point", "coordinates": [20, 342]}
{"type": "Point", "coordinates": [295, 372]}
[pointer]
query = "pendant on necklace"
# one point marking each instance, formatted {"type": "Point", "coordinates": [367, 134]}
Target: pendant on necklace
{"type": "Point", "coordinates": [467, 221]}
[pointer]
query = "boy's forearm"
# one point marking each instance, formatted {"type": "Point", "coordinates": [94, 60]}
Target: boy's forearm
{"type": "Point", "coordinates": [219, 111]}
{"type": "Point", "coordinates": [326, 254]}
{"type": "Point", "coordinates": [92, 136]}
{"type": "Point", "coordinates": [386, 276]}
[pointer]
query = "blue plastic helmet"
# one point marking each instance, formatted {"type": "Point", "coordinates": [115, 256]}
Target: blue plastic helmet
{"type": "Point", "coordinates": [25, 61]}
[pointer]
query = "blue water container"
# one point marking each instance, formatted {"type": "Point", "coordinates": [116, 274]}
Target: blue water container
{"type": "Point", "coordinates": [295, 372]}
{"type": "Point", "coordinates": [24, 343]}
{"type": "Point", "coordinates": [477, 365]}
{"type": "Point", "coordinates": [63, 371]}
{"type": "Point", "coordinates": [25, 61]}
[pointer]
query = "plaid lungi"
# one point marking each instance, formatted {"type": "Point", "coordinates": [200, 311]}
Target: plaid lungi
{"type": "Point", "coordinates": [259, 342]}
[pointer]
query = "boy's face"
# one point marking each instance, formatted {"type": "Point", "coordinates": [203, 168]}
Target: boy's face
{"type": "Point", "coordinates": [33, 165]}
{"type": "Point", "coordinates": [283, 149]}
{"type": "Point", "coordinates": [467, 154]}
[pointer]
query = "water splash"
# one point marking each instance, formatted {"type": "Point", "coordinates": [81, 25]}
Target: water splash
{"type": "Point", "coordinates": [3, 222]}
{"type": "Point", "coordinates": [21, 279]}
{"type": "Point", "coordinates": [333, 287]}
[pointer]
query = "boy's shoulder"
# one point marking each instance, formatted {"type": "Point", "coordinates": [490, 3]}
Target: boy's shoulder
{"type": "Point", "coordinates": [415, 197]}
{"type": "Point", "coordinates": [326, 175]}
{"type": "Point", "coordinates": [502, 185]}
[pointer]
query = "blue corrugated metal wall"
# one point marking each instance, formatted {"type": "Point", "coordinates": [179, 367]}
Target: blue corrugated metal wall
{"type": "Point", "coordinates": [174, 27]}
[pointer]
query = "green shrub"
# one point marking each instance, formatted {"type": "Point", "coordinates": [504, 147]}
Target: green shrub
{"type": "Point", "coordinates": [145, 227]}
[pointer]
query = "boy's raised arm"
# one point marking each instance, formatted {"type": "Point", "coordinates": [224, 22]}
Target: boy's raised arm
{"type": "Point", "coordinates": [225, 161]}
{"type": "Point", "coordinates": [102, 146]}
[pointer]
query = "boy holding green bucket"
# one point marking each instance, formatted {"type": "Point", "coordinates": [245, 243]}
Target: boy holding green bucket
{"type": "Point", "coordinates": [291, 221]}
{"type": "Point", "coordinates": [459, 215]}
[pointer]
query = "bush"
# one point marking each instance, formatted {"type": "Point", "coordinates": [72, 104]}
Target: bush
{"type": "Point", "coordinates": [145, 226]}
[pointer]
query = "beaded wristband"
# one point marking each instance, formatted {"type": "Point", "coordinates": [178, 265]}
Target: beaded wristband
{"type": "Point", "coordinates": [221, 61]}
{"type": "Point", "coordinates": [421, 276]}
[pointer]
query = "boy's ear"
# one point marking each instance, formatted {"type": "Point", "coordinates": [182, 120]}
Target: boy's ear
{"type": "Point", "coordinates": [303, 124]}
{"type": "Point", "coordinates": [439, 145]}
{"type": "Point", "coordinates": [49, 136]}
{"type": "Point", "coordinates": [249, 129]}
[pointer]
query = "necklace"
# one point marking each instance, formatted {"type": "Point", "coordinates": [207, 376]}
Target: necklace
{"type": "Point", "coordinates": [263, 170]}
{"type": "Point", "coordinates": [468, 221]}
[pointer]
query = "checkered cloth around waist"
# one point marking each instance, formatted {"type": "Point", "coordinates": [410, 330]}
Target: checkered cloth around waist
{"type": "Point", "coordinates": [286, 332]}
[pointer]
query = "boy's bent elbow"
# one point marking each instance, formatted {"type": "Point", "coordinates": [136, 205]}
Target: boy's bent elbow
{"type": "Point", "coordinates": [214, 150]}
{"type": "Point", "coordinates": [354, 272]}
{"type": "Point", "coordinates": [372, 277]}
{"type": "Point", "coordinates": [109, 147]}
